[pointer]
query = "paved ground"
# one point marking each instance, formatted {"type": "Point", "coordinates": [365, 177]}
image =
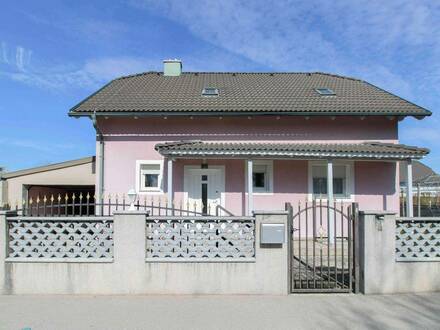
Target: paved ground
{"type": "Point", "coordinates": [221, 312]}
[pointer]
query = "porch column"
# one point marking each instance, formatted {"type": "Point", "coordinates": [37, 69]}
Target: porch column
{"type": "Point", "coordinates": [409, 189]}
{"type": "Point", "coordinates": [330, 200]}
{"type": "Point", "coordinates": [170, 183]}
{"type": "Point", "coordinates": [250, 168]}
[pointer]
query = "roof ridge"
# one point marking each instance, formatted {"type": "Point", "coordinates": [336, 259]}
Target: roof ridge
{"type": "Point", "coordinates": [159, 73]}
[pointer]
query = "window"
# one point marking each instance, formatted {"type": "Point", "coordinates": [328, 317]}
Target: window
{"type": "Point", "coordinates": [342, 180]}
{"type": "Point", "coordinates": [262, 176]}
{"type": "Point", "coordinates": [149, 176]}
{"type": "Point", "coordinates": [325, 91]}
{"type": "Point", "coordinates": [210, 91]}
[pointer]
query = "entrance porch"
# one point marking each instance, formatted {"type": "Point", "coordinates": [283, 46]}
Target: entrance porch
{"type": "Point", "coordinates": [238, 178]}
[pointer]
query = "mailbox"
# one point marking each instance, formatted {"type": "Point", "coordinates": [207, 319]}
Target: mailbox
{"type": "Point", "coordinates": [272, 233]}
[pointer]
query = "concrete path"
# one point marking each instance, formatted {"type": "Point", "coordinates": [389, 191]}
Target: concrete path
{"type": "Point", "coordinates": [221, 312]}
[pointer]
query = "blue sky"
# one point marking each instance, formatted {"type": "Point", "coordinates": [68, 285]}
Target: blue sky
{"type": "Point", "coordinates": [55, 53]}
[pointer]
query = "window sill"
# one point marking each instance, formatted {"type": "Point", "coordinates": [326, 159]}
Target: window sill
{"type": "Point", "coordinates": [149, 192]}
{"type": "Point", "coordinates": [335, 198]}
{"type": "Point", "coordinates": [263, 193]}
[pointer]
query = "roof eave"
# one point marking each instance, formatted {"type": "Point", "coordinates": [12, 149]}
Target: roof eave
{"type": "Point", "coordinates": [75, 114]}
{"type": "Point", "coordinates": [296, 157]}
{"type": "Point", "coordinates": [46, 168]}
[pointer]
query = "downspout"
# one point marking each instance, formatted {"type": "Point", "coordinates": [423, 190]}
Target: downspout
{"type": "Point", "coordinates": [100, 190]}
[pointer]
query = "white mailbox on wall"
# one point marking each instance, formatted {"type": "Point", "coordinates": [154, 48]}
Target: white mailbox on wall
{"type": "Point", "coordinates": [272, 233]}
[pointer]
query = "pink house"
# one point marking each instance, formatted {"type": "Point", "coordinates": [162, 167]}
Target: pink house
{"type": "Point", "coordinates": [248, 141]}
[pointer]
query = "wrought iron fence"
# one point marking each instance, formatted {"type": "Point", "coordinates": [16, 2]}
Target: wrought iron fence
{"type": "Point", "coordinates": [80, 204]}
{"type": "Point", "coordinates": [323, 246]}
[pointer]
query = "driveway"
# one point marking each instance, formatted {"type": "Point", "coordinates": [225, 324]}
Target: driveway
{"type": "Point", "coordinates": [221, 312]}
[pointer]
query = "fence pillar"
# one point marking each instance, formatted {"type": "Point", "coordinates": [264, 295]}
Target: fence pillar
{"type": "Point", "coordinates": [272, 259]}
{"type": "Point", "coordinates": [377, 235]}
{"type": "Point", "coordinates": [5, 286]}
{"type": "Point", "coordinates": [129, 238]}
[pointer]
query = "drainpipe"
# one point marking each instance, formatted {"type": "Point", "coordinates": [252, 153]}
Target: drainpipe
{"type": "Point", "coordinates": [100, 190]}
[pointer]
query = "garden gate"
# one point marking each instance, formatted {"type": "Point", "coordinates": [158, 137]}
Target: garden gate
{"type": "Point", "coordinates": [323, 246]}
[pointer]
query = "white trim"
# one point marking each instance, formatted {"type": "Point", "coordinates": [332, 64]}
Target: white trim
{"type": "Point", "coordinates": [409, 189]}
{"type": "Point", "coordinates": [170, 183]}
{"type": "Point", "coordinates": [150, 191]}
{"type": "Point", "coordinates": [349, 184]}
{"type": "Point", "coordinates": [250, 187]}
{"type": "Point", "coordinates": [270, 177]}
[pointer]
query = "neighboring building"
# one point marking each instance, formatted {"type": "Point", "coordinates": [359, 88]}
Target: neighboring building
{"type": "Point", "coordinates": [55, 179]}
{"type": "Point", "coordinates": [425, 180]}
{"type": "Point", "coordinates": [249, 141]}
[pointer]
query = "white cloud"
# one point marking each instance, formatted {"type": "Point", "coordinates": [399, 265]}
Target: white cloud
{"type": "Point", "coordinates": [16, 58]}
{"type": "Point", "coordinates": [22, 58]}
{"type": "Point", "coordinates": [92, 74]}
{"type": "Point", "coordinates": [358, 38]}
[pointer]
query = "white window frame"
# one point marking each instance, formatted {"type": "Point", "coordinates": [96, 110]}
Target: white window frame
{"type": "Point", "coordinates": [349, 182]}
{"type": "Point", "coordinates": [269, 165]}
{"type": "Point", "coordinates": [144, 190]}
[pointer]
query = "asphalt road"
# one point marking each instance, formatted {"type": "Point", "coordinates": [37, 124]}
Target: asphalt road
{"type": "Point", "coordinates": [221, 312]}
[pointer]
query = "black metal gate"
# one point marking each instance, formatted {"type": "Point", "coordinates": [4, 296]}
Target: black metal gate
{"type": "Point", "coordinates": [323, 247]}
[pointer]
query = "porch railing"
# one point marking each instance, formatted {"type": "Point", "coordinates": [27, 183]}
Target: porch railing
{"type": "Point", "coordinates": [88, 205]}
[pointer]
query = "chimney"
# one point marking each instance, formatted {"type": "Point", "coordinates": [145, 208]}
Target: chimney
{"type": "Point", "coordinates": [172, 68]}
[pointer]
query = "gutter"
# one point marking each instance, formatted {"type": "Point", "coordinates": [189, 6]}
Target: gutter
{"type": "Point", "coordinates": [100, 159]}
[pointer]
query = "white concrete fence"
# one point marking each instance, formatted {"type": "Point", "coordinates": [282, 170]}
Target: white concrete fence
{"type": "Point", "coordinates": [398, 254]}
{"type": "Point", "coordinates": [130, 253]}
{"type": "Point", "coordinates": [116, 255]}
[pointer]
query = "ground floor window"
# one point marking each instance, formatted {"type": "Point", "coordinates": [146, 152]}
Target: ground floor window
{"type": "Point", "coordinates": [149, 175]}
{"type": "Point", "coordinates": [342, 180]}
{"type": "Point", "coordinates": [262, 176]}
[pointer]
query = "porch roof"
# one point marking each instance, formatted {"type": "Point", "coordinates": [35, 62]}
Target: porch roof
{"type": "Point", "coordinates": [366, 150]}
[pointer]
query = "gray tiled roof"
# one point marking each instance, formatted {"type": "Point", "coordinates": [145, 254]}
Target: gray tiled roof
{"type": "Point", "coordinates": [365, 150]}
{"type": "Point", "coordinates": [244, 93]}
{"type": "Point", "coordinates": [420, 171]}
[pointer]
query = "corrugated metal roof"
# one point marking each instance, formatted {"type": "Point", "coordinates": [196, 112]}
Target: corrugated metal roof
{"type": "Point", "coordinates": [365, 150]}
{"type": "Point", "coordinates": [244, 93]}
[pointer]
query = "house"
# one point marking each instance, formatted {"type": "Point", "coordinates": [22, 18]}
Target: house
{"type": "Point", "coordinates": [74, 176]}
{"type": "Point", "coordinates": [425, 180]}
{"type": "Point", "coordinates": [426, 191]}
{"type": "Point", "coordinates": [247, 141]}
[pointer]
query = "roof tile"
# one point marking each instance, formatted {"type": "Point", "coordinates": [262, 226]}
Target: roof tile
{"type": "Point", "coordinates": [292, 93]}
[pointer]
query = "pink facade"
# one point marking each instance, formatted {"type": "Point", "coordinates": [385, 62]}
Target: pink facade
{"type": "Point", "coordinates": [128, 139]}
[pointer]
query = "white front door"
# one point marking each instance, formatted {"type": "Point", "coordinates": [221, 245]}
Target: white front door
{"type": "Point", "coordinates": [204, 188]}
